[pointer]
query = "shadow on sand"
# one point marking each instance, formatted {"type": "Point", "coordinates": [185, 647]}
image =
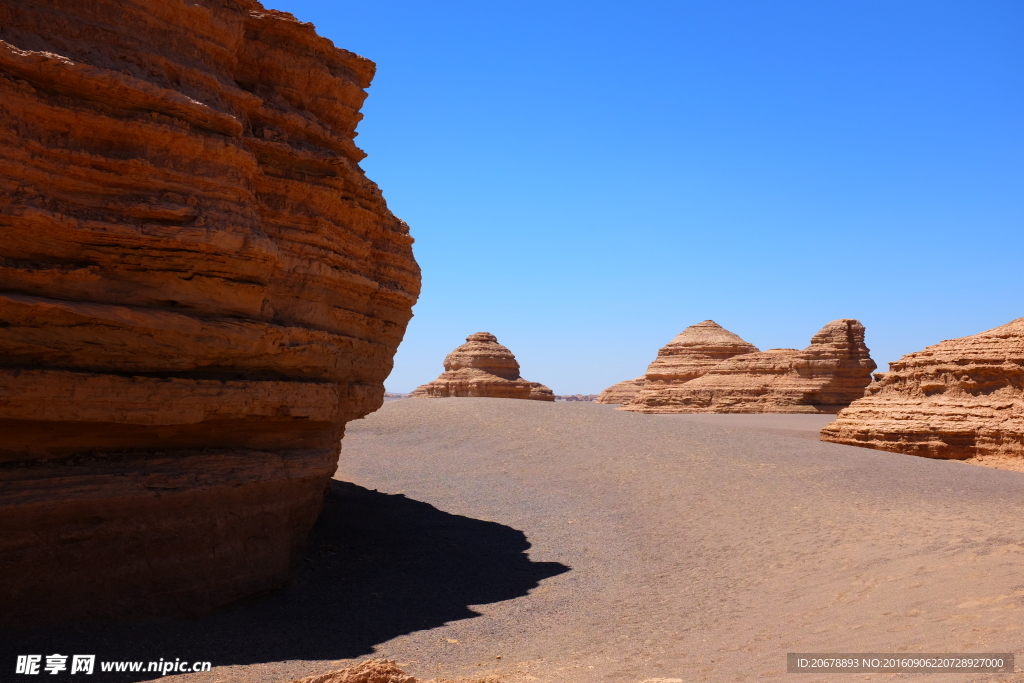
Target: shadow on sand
{"type": "Point", "coordinates": [376, 566]}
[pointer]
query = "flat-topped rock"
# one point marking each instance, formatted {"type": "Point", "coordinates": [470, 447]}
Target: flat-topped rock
{"type": "Point", "coordinates": [959, 399]}
{"type": "Point", "coordinates": [482, 368]}
{"type": "Point", "coordinates": [823, 378]}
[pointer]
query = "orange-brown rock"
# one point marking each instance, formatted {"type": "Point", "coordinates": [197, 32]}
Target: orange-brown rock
{"type": "Point", "coordinates": [368, 671]}
{"type": "Point", "coordinates": [483, 368]}
{"type": "Point", "coordinates": [692, 353]}
{"type": "Point", "coordinates": [623, 392]}
{"type": "Point", "coordinates": [198, 288]}
{"type": "Point", "coordinates": [959, 399]}
{"type": "Point", "coordinates": [822, 378]}
{"type": "Point", "coordinates": [386, 671]}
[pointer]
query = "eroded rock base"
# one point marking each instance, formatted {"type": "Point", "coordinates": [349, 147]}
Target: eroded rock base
{"type": "Point", "coordinates": [164, 533]}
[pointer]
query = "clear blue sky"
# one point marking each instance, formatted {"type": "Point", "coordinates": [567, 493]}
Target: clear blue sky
{"type": "Point", "coordinates": [586, 179]}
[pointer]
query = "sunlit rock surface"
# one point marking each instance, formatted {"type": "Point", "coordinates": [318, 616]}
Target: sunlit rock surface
{"type": "Point", "coordinates": [962, 398]}
{"type": "Point", "coordinates": [482, 368]}
{"type": "Point", "coordinates": [198, 289]}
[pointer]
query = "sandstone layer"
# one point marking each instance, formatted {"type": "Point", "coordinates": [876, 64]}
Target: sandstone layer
{"type": "Point", "coordinates": [482, 368]}
{"type": "Point", "coordinates": [822, 378]}
{"type": "Point", "coordinates": [198, 288]}
{"type": "Point", "coordinates": [693, 352]}
{"type": "Point", "coordinates": [623, 392]}
{"type": "Point", "coordinates": [959, 399]}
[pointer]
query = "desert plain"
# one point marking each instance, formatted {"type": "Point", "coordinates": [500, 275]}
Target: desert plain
{"type": "Point", "coordinates": [570, 542]}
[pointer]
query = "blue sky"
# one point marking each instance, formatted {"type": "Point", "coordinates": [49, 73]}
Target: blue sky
{"type": "Point", "coordinates": [586, 179]}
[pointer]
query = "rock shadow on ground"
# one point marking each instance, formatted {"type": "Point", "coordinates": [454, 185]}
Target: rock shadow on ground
{"type": "Point", "coordinates": [376, 566]}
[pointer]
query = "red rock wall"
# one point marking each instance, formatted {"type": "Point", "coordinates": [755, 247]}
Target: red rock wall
{"type": "Point", "coordinates": [198, 288]}
{"type": "Point", "coordinates": [960, 399]}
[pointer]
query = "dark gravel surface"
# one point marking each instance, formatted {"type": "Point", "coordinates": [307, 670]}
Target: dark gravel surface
{"type": "Point", "coordinates": [573, 542]}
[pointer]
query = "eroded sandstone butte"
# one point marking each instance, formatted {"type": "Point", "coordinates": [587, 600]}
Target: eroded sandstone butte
{"type": "Point", "coordinates": [823, 378]}
{"type": "Point", "coordinates": [693, 352]}
{"type": "Point", "coordinates": [623, 392]}
{"type": "Point", "coordinates": [483, 368]}
{"type": "Point", "coordinates": [198, 288]}
{"type": "Point", "coordinates": [962, 398]}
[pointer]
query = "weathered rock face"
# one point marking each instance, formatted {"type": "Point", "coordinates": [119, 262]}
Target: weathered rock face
{"type": "Point", "coordinates": [483, 368]}
{"type": "Point", "coordinates": [623, 392]}
{"type": "Point", "coordinates": [692, 353]}
{"type": "Point", "coordinates": [198, 288]}
{"type": "Point", "coordinates": [823, 378]}
{"type": "Point", "coordinates": [960, 399]}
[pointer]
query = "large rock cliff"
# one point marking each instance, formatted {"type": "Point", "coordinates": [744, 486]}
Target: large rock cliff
{"type": "Point", "coordinates": [198, 288]}
{"type": "Point", "coordinates": [959, 399]}
{"type": "Point", "coordinates": [482, 368]}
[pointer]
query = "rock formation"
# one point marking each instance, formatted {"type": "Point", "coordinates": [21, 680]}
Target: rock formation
{"type": "Point", "coordinates": [623, 392]}
{"type": "Point", "coordinates": [386, 671]}
{"type": "Point", "coordinates": [484, 368]}
{"type": "Point", "coordinates": [823, 378]}
{"type": "Point", "coordinates": [368, 671]}
{"type": "Point", "coordinates": [693, 352]}
{"type": "Point", "coordinates": [198, 288]}
{"type": "Point", "coordinates": [962, 398]}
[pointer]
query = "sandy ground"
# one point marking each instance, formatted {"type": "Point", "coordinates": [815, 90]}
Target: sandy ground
{"type": "Point", "coordinates": [570, 542]}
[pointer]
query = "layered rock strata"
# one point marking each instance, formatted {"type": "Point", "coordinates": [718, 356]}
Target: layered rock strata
{"type": "Point", "coordinates": [198, 288]}
{"type": "Point", "coordinates": [623, 392]}
{"type": "Point", "coordinates": [693, 352]}
{"type": "Point", "coordinates": [959, 399]}
{"type": "Point", "coordinates": [822, 378]}
{"type": "Point", "coordinates": [482, 368]}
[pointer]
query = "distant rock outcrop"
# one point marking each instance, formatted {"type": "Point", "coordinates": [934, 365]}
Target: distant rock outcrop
{"type": "Point", "coordinates": [693, 352]}
{"type": "Point", "coordinates": [962, 398]}
{"type": "Point", "coordinates": [623, 392]}
{"type": "Point", "coordinates": [482, 368]}
{"type": "Point", "coordinates": [823, 378]}
{"type": "Point", "coordinates": [198, 288]}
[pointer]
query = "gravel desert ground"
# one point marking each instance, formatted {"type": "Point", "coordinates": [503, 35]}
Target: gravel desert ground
{"type": "Point", "coordinates": [570, 543]}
